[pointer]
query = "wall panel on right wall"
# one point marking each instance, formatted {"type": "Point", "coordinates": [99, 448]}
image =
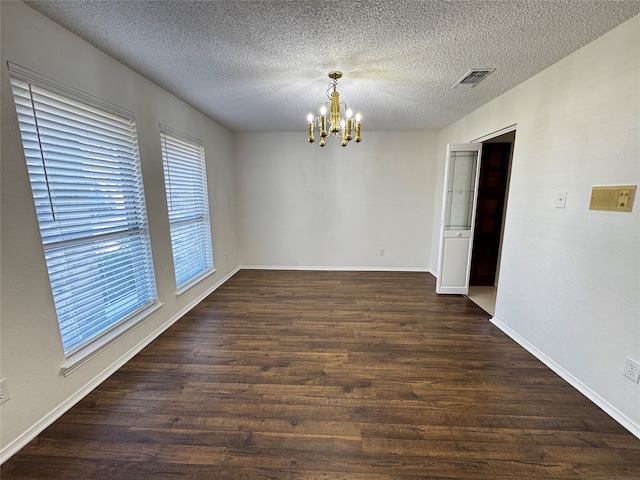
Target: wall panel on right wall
{"type": "Point", "coordinates": [569, 288]}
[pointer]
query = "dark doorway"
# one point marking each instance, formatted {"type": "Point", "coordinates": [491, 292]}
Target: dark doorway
{"type": "Point", "coordinates": [492, 188]}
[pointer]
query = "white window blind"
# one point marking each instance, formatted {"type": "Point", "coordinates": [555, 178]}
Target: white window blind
{"type": "Point", "coordinates": [86, 182]}
{"type": "Point", "coordinates": [188, 203]}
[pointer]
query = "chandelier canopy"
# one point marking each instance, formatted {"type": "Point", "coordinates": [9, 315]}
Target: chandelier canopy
{"type": "Point", "coordinates": [339, 126]}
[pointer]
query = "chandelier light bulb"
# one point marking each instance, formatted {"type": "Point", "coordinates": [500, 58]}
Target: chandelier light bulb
{"type": "Point", "coordinates": [310, 118]}
{"type": "Point", "coordinates": [349, 113]}
{"type": "Point", "coordinates": [349, 128]}
{"type": "Point", "coordinates": [358, 138]}
{"type": "Point", "coordinates": [323, 109]}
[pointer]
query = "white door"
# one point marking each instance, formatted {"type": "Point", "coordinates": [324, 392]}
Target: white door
{"type": "Point", "coordinates": [461, 174]}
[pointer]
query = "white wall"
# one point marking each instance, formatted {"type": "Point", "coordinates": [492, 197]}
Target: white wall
{"type": "Point", "coordinates": [303, 206]}
{"type": "Point", "coordinates": [569, 287]}
{"type": "Point", "coordinates": [31, 351]}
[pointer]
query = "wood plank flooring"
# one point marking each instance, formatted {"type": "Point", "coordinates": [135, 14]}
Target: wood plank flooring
{"type": "Point", "coordinates": [332, 375]}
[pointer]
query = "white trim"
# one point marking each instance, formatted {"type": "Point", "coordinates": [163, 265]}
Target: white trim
{"type": "Point", "coordinates": [336, 268]}
{"type": "Point", "coordinates": [86, 353]}
{"type": "Point", "coordinates": [12, 448]}
{"type": "Point", "coordinates": [453, 291]}
{"type": "Point", "coordinates": [495, 134]}
{"type": "Point", "coordinates": [181, 135]}
{"type": "Point", "coordinates": [26, 75]}
{"type": "Point", "coordinates": [609, 409]}
{"type": "Point", "coordinates": [194, 281]}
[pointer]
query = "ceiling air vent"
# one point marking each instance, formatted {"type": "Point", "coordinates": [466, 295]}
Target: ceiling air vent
{"type": "Point", "coordinates": [474, 76]}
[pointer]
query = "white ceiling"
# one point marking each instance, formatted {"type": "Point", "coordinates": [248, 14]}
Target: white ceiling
{"type": "Point", "coordinates": [263, 65]}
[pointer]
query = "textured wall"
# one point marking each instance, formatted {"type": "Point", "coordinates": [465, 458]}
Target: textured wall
{"type": "Point", "coordinates": [31, 352]}
{"type": "Point", "coordinates": [569, 283]}
{"type": "Point", "coordinates": [305, 206]}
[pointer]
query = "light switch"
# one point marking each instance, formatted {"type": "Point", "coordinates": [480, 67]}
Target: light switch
{"type": "Point", "coordinates": [561, 199]}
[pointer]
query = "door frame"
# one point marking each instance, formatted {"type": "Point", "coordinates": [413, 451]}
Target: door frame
{"type": "Point", "coordinates": [480, 140]}
{"type": "Point", "coordinates": [495, 134]}
{"type": "Point", "coordinates": [485, 138]}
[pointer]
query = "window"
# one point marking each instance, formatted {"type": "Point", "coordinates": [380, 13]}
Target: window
{"type": "Point", "coordinates": [82, 158]}
{"type": "Point", "coordinates": [188, 203]}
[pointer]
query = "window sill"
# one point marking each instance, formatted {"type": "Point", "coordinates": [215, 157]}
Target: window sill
{"type": "Point", "coordinates": [193, 282]}
{"type": "Point", "coordinates": [82, 356]}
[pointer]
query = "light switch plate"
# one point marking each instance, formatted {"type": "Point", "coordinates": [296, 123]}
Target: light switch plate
{"type": "Point", "coordinates": [561, 199]}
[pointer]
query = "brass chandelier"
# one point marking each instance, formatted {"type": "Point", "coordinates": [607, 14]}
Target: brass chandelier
{"type": "Point", "coordinates": [338, 126]}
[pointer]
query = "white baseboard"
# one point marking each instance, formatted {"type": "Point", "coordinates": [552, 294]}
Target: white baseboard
{"type": "Point", "coordinates": [9, 450]}
{"type": "Point", "coordinates": [609, 409]}
{"type": "Point", "coordinates": [335, 268]}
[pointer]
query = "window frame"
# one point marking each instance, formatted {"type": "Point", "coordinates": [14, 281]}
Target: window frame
{"type": "Point", "coordinates": [92, 183]}
{"type": "Point", "coordinates": [178, 161]}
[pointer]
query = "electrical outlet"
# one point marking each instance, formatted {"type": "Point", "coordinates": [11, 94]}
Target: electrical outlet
{"type": "Point", "coordinates": [4, 391]}
{"type": "Point", "coordinates": [382, 252]}
{"type": "Point", "coordinates": [632, 370]}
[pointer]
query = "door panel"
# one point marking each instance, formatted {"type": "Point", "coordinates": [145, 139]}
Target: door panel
{"type": "Point", "coordinates": [455, 260]}
{"type": "Point", "coordinates": [458, 218]}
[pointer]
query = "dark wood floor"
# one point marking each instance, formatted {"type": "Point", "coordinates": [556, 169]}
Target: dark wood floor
{"type": "Point", "coordinates": [332, 375]}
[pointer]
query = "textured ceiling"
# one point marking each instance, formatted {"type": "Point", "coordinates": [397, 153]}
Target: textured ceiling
{"type": "Point", "coordinates": [263, 65]}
